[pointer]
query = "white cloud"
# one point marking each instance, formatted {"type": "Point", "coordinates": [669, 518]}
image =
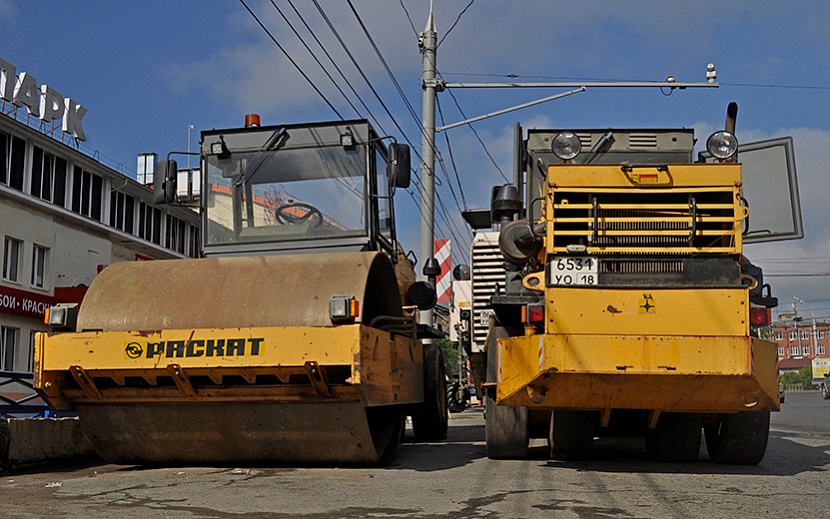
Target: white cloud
{"type": "Point", "coordinates": [8, 11]}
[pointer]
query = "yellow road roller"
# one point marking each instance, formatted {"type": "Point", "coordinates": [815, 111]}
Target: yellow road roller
{"type": "Point", "coordinates": [295, 339]}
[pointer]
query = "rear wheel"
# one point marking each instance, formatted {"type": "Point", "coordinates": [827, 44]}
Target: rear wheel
{"type": "Point", "coordinates": [505, 427]}
{"type": "Point", "coordinates": [825, 393]}
{"type": "Point", "coordinates": [430, 418]}
{"type": "Point", "coordinates": [676, 439]}
{"type": "Point", "coordinates": [738, 439]}
{"type": "Point", "coordinates": [572, 434]}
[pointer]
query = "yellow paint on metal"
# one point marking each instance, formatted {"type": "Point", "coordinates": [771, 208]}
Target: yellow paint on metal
{"type": "Point", "coordinates": [277, 346]}
{"type": "Point", "coordinates": [676, 175]}
{"type": "Point", "coordinates": [688, 373]}
{"type": "Point", "coordinates": [683, 312]}
{"type": "Point", "coordinates": [383, 370]}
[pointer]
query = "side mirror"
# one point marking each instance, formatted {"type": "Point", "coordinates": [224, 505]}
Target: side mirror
{"type": "Point", "coordinates": [164, 182]}
{"type": "Point", "coordinates": [399, 168]}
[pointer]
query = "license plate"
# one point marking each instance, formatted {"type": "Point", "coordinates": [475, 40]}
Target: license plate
{"type": "Point", "coordinates": [573, 271]}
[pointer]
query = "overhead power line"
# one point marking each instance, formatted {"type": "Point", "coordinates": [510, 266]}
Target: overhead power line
{"type": "Point", "coordinates": [314, 56]}
{"type": "Point", "coordinates": [296, 66]}
{"type": "Point", "coordinates": [448, 226]}
{"type": "Point", "coordinates": [478, 137]}
{"type": "Point", "coordinates": [385, 65]}
{"type": "Point", "coordinates": [457, 19]}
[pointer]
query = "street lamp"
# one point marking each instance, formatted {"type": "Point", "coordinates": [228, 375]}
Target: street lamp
{"type": "Point", "coordinates": [813, 322]}
{"type": "Point", "coordinates": [189, 129]}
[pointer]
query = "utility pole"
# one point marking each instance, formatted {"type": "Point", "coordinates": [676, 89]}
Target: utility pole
{"type": "Point", "coordinates": [428, 43]}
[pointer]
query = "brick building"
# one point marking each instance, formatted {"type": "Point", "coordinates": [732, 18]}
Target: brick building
{"type": "Point", "coordinates": [802, 343]}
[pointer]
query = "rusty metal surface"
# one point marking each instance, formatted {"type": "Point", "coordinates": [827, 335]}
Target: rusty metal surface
{"type": "Point", "coordinates": [257, 433]}
{"type": "Point", "coordinates": [250, 291]}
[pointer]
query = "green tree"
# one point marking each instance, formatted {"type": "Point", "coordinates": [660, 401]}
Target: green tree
{"type": "Point", "coordinates": [802, 377]}
{"type": "Point", "coordinates": [450, 351]}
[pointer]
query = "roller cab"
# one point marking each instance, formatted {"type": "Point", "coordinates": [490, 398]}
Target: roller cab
{"type": "Point", "coordinates": [294, 338]}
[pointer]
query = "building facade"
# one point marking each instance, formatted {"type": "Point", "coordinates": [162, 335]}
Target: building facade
{"type": "Point", "coordinates": [64, 216]}
{"type": "Point", "coordinates": [801, 340]}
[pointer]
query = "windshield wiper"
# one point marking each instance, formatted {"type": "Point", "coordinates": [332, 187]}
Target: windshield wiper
{"type": "Point", "coordinates": [604, 142]}
{"type": "Point", "coordinates": [274, 142]}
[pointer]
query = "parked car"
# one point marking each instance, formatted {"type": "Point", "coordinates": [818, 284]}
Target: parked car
{"type": "Point", "coordinates": [825, 387]}
{"type": "Point", "coordinates": [781, 392]}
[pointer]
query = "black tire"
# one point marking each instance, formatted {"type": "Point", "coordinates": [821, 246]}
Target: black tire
{"type": "Point", "coordinates": [676, 439]}
{"type": "Point", "coordinates": [572, 434]}
{"type": "Point", "coordinates": [430, 418]}
{"type": "Point", "coordinates": [505, 427]}
{"type": "Point", "coordinates": [825, 394]}
{"type": "Point", "coordinates": [739, 438]}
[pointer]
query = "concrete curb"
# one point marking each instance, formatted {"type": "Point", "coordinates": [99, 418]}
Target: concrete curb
{"type": "Point", "coordinates": [37, 440]}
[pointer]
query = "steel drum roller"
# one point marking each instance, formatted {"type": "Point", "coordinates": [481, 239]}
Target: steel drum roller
{"type": "Point", "coordinates": [239, 292]}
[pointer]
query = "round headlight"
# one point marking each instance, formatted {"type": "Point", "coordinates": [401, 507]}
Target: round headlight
{"type": "Point", "coordinates": [566, 145]}
{"type": "Point", "coordinates": [722, 145]}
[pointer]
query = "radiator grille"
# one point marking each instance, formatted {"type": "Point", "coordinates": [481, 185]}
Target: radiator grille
{"type": "Point", "coordinates": [650, 222]}
{"type": "Point", "coordinates": [611, 266]}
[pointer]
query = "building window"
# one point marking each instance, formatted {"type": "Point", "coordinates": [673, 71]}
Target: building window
{"type": "Point", "coordinates": [819, 349]}
{"type": "Point", "coordinates": [792, 335]}
{"type": "Point", "coordinates": [149, 223]}
{"type": "Point", "coordinates": [780, 351]}
{"type": "Point", "coordinates": [779, 335]}
{"type": "Point", "coordinates": [30, 363]}
{"type": "Point", "coordinates": [805, 334]}
{"type": "Point", "coordinates": [122, 210]}
{"type": "Point", "coordinates": [805, 351]}
{"type": "Point", "coordinates": [195, 241]}
{"type": "Point", "coordinates": [4, 157]}
{"type": "Point", "coordinates": [794, 351]}
{"type": "Point", "coordinates": [59, 178]}
{"type": "Point", "coordinates": [48, 177]}
{"type": "Point", "coordinates": [38, 265]}
{"type": "Point", "coordinates": [819, 334]}
{"type": "Point", "coordinates": [11, 259]}
{"type": "Point", "coordinates": [42, 174]}
{"type": "Point", "coordinates": [8, 343]}
{"type": "Point", "coordinates": [17, 162]}
{"type": "Point", "coordinates": [174, 237]}
{"type": "Point", "coordinates": [87, 193]}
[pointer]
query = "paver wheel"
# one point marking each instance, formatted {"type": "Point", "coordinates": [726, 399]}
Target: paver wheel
{"type": "Point", "coordinates": [739, 438]}
{"type": "Point", "coordinates": [572, 434]}
{"type": "Point", "coordinates": [676, 439]}
{"type": "Point", "coordinates": [505, 427]}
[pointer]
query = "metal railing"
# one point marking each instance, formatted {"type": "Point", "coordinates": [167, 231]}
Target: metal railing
{"type": "Point", "coordinates": [18, 396]}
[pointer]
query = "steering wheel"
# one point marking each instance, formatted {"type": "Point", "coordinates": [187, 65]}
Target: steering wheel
{"type": "Point", "coordinates": [285, 217]}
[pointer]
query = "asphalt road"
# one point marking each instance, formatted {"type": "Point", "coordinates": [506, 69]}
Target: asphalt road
{"type": "Point", "coordinates": [455, 479]}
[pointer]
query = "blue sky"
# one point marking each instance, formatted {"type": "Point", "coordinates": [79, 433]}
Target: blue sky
{"type": "Point", "coordinates": [147, 69]}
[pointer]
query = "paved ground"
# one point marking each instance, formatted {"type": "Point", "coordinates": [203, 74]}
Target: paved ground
{"type": "Point", "coordinates": [455, 479]}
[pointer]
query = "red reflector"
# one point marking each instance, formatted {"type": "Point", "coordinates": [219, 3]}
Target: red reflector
{"type": "Point", "coordinates": [535, 314]}
{"type": "Point", "coordinates": [759, 316]}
